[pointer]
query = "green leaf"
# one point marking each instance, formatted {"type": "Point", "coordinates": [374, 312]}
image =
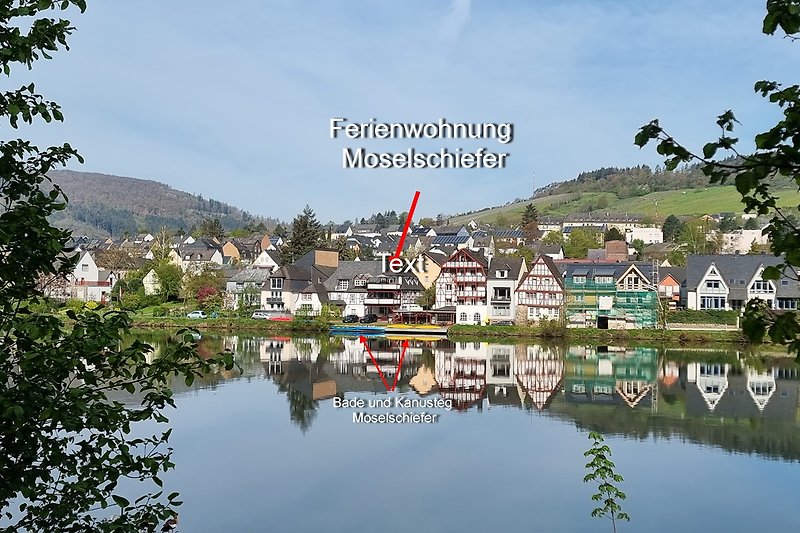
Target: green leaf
{"type": "Point", "coordinates": [119, 500]}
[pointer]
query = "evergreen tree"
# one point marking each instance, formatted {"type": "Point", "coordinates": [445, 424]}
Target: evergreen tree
{"type": "Point", "coordinates": [613, 234]}
{"type": "Point", "coordinates": [211, 227]}
{"type": "Point", "coordinates": [307, 234]}
{"type": "Point", "coordinates": [531, 214]}
{"type": "Point", "coordinates": [672, 228]}
{"type": "Point", "coordinates": [728, 224]}
{"type": "Point", "coordinates": [281, 232]}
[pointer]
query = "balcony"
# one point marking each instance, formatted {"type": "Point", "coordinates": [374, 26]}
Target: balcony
{"type": "Point", "coordinates": [470, 295]}
{"type": "Point", "coordinates": [462, 264]}
{"type": "Point", "coordinates": [501, 299]}
{"type": "Point", "coordinates": [382, 301]}
{"type": "Point", "coordinates": [383, 286]}
{"type": "Point", "coordinates": [471, 278]}
{"type": "Point", "coordinates": [274, 300]}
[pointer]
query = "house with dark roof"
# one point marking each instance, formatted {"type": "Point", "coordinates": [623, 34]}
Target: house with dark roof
{"type": "Point", "coordinates": [540, 294]}
{"type": "Point", "coordinates": [505, 275]}
{"type": "Point", "coordinates": [730, 281]}
{"type": "Point", "coordinates": [340, 231]}
{"type": "Point", "coordinates": [450, 231]}
{"type": "Point", "coordinates": [669, 285]}
{"type": "Point", "coordinates": [367, 230]}
{"type": "Point", "coordinates": [243, 288]}
{"type": "Point", "coordinates": [88, 282]}
{"type": "Point", "coordinates": [299, 287]}
{"type": "Point", "coordinates": [200, 254]}
{"type": "Point", "coordinates": [387, 293]}
{"type": "Point", "coordinates": [347, 285]}
{"type": "Point", "coordinates": [459, 241]}
{"type": "Point", "coordinates": [431, 268]}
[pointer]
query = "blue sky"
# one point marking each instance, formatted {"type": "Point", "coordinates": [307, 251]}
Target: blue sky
{"type": "Point", "coordinates": [232, 100]}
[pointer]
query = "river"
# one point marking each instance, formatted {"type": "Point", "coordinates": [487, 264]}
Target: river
{"type": "Point", "coordinates": [482, 436]}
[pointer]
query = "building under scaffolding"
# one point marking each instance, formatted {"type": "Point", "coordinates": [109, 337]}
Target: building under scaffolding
{"type": "Point", "coordinates": [611, 295]}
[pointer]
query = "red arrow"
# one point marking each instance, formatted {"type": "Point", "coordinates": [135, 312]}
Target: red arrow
{"type": "Point", "coordinates": [405, 229]}
{"type": "Point", "coordinates": [363, 341]}
{"type": "Point", "coordinates": [400, 363]}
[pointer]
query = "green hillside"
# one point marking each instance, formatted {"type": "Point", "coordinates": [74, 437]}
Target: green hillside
{"type": "Point", "coordinates": [656, 204]}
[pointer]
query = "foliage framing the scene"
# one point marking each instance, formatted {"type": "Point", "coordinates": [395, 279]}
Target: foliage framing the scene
{"type": "Point", "coordinates": [71, 393]}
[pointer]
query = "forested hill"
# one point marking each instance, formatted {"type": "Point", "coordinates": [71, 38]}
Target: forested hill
{"type": "Point", "coordinates": [101, 204]}
{"type": "Point", "coordinates": [630, 181]}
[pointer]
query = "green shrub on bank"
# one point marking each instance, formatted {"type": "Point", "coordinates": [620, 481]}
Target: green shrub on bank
{"type": "Point", "coordinates": [704, 316]}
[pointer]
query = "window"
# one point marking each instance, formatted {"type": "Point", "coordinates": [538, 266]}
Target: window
{"type": "Point", "coordinates": [359, 282]}
{"type": "Point", "coordinates": [604, 280]}
{"type": "Point", "coordinates": [477, 318]}
{"type": "Point", "coordinates": [784, 282]}
{"type": "Point", "coordinates": [712, 302]}
{"type": "Point", "coordinates": [306, 296]}
{"type": "Point", "coordinates": [579, 280]}
{"type": "Point", "coordinates": [501, 310]}
{"type": "Point", "coordinates": [761, 286]}
{"type": "Point", "coordinates": [84, 268]}
{"type": "Point", "coordinates": [343, 285]}
{"type": "Point", "coordinates": [502, 273]}
{"type": "Point", "coordinates": [787, 303]}
{"type": "Point", "coordinates": [712, 284]}
{"type": "Point", "coordinates": [448, 287]}
{"type": "Point", "coordinates": [462, 318]}
{"type": "Point", "coordinates": [276, 283]}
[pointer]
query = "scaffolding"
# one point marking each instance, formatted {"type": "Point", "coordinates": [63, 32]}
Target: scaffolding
{"type": "Point", "coordinates": [609, 302]}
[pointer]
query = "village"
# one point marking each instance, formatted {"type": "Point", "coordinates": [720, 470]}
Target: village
{"type": "Point", "coordinates": [472, 274]}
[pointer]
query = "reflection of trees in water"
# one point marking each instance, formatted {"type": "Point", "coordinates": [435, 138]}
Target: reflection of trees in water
{"type": "Point", "coordinates": [302, 409]}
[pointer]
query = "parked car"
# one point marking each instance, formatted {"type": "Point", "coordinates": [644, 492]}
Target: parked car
{"type": "Point", "coordinates": [262, 314]}
{"type": "Point", "coordinates": [350, 319]}
{"type": "Point", "coordinates": [368, 319]}
{"type": "Point", "coordinates": [197, 314]}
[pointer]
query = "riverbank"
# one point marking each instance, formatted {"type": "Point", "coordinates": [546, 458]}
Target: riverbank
{"type": "Point", "coordinates": [465, 332]}
{"type": "Point", "coordinates": [599, 336]}
{"type": "Point", "coordinates": [230, 325]}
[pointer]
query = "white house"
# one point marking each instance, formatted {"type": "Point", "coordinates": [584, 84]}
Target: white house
{"type": "Point", "coordinates": [90, 283]}
{"type": "Point", "coordinates": [648, 235]}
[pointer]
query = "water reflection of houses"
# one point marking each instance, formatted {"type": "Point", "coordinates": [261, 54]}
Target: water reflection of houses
{"type": "Point", "coordinates": [612, 375]}
{"type": "Point", "coordinates": [461, 373]}
{"type": "Point", "coordinates": [742, 391]}
{"type": "Point", "coordinates": [344, 367]}
{"type": "Point", "coordinates": [539, 374]}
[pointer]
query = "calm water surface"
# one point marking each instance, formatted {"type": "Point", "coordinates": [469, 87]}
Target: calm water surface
{"type": "Point", "coordinates": [706, 440]}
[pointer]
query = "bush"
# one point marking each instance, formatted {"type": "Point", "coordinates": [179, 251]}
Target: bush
{"type": "Point", "coordinates": [91, 305]}
{"type": "Point", "coordinates": [74, 305]}
{"type": "Point", "coordinates": [704, 316]}
{"type": "Point", "coordinates": [159, 311]}
{"type": "Point", "coordinates": [132, 301]}
{"type": "Point", "coordinates": [552, 328]}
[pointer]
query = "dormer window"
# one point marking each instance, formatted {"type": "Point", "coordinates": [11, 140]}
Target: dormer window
{"type": "Point", "coordinates": [343, 285]}
{"type": "Point", "coordinates": [502, 273]}
{"type": "Point", "coordinates": [579, 280]}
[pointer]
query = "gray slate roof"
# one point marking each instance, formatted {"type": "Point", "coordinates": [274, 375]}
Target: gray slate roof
{"type": "Point", "coordinates": [737, 271]}
{"type": "Point", "coordinates": [349, 270]}
{"type": "Point", "coordinates": [512, 264]}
